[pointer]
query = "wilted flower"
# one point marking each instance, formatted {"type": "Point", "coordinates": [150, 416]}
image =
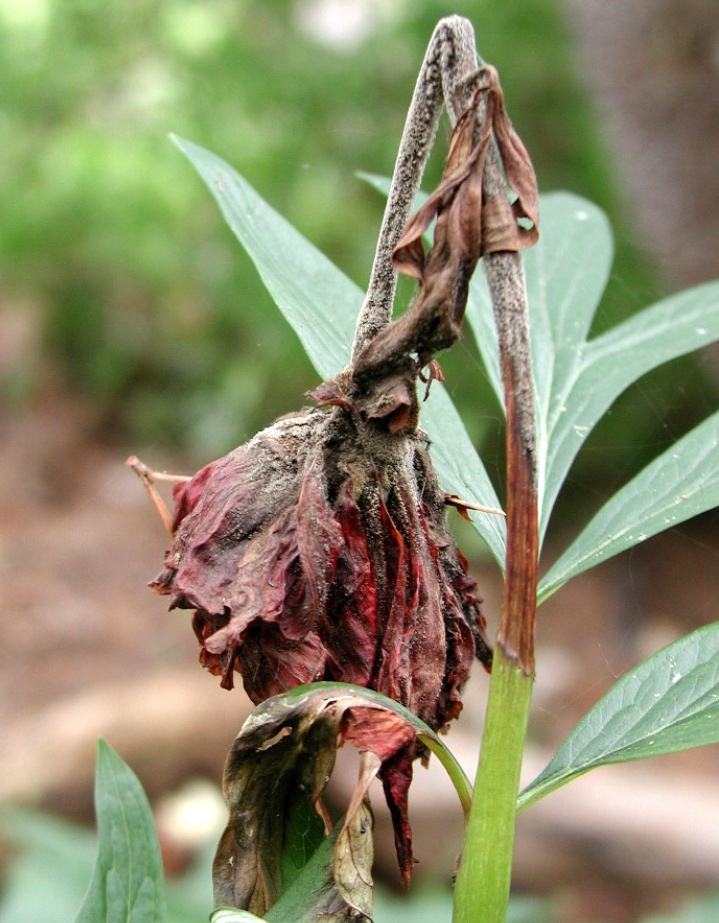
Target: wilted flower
{"type": "Point", "coordinates": [314, 553]}
{"type": "Point", "coordinates": [319, 550]}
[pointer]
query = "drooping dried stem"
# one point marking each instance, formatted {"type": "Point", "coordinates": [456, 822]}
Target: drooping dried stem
{"type": "Point", "coordinates": [445, 75]}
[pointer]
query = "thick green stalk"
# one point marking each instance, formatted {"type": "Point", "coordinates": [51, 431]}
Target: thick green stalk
{"type": "Point", "coordinates": [482, 890]}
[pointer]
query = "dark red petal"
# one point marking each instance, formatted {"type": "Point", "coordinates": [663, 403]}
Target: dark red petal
{"type": "Point", "coordinates": [349, 625]}
{"type": "Point", "coordinates": [376, 729]}
{"type": "Point", "coordinates": [186, 494]}
{"type": "Point", "coordinates": [396, 776]}
{"type": "Point", "coordinates": [270, 663]}
{"type": "Point", "coordinates": [393, 677]}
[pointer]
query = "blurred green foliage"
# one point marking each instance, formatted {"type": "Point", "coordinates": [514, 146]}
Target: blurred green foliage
{"type": "Point", "coordinates": [146, 302]}
{"type": "Point", "coordinates": [53, 863]}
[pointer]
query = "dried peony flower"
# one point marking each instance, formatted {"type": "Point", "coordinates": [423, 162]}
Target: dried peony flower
{"type": "Point", "coordinates": [319, 550]}
{"type": "Point", "coordinates": [314, 553]}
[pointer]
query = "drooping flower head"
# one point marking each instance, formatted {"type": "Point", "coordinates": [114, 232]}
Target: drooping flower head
{"type": "Point", "coordinates": [314, 552]}
{"type": "Point", "coordinates": [319, 550]}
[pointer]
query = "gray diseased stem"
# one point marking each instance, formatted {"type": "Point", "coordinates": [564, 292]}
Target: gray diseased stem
{"type": "Point", "coordinates": [446, 75]}
{"type": "Point", "coordinates": [505, 277]}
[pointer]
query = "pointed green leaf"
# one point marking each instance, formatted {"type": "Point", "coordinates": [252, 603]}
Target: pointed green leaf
{"type": "Point", "coordinates": [611, 362]}
{"type": "Point", "coordinates": [669, 702]}
{"type": "Point", "coordinates": [47, 875]}
{"type": "Point", "coordinates": [566, 273]}
{"type": "Point", "coordinates": [320, 890]}
{"type": "Point", "coordinates": [304, 833]}
{"type": "Point", "coordinates": [48, 879]}
{"type": "Point", "coordinates": [295, 905]}
{"type": "Point", "coordinates": [460, 468]}
{"type": "Point", "coordinates": [127, 886]}
{"type": "Point", "coordinates": [321, 304]}
{"type": "Point", "coordinates": [681, 483]}
{"type": "Point", "coordinates": [382, 184]}
{"type": "Point", "coordinates": [319, 301]}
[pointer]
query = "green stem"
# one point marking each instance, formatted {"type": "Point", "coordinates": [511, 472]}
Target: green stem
{"type": "Point", "coordinates": [482, 890]}
{"type": "Point", "coordinates": [450, 765]}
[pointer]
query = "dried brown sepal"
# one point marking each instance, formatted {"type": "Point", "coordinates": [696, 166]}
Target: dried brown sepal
{"type": "Point", "coordinates": [469, 226]}
{"type": "Point", "coordinates": [463, 507]}
{"type": "Point", "coordinates": [285, 751]}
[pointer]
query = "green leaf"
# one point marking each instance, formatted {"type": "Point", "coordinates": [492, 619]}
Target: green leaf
{"type": "Point", "coordinates": [303, 834]}
{"type": "Point", "coordinates": [669, 702]}
{"type": "Point", "coordinates": [576, 380]}
{"type": "Point", "coordinates": [320, 891]}
{"type": "Point", "coordinates": [315, 878]}
{"type": "Point", "coordinates": [679, 484]}
{"type": "Point", "coordinates": [566, 273]}
{"type": "Point", "coordinates": [127, 885]}
{"type": "Point", "coordinates": [460, 468]}
{"type": "Point", "coordinates": [321, 304]}
{"type": "Point", "coordinates": [607, 365]}
{"type": "Point", "coordinates": [318, 300]}
{"type": "Point", "coordinates": [47, 878]}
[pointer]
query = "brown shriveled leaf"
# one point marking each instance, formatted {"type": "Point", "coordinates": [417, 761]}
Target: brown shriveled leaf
{"type": "Point", "coordinates": [352, 867]}
{"type": "Point", "coordinates": [285, 752]}
{"type": "Point", "coordinates": [468, 225]}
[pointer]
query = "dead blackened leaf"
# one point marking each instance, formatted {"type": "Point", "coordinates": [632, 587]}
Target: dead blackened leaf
{"type": "Point", "coordinates": [283, 756]}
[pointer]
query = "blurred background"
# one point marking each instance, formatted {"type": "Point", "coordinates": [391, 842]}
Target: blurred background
{"type": "Point", "coordinates": [132, 322]}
